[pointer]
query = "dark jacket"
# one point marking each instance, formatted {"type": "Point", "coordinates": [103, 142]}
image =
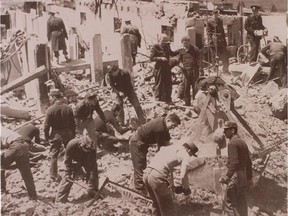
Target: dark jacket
{"type": "Point", "coordinates": [274, 48]}
{"type": "Point", "coordinates": [30, 131]}
{"type": "Point", "coordinates": [189, 58]}
{"type": "Point", "coordinates": [216, 26]}
{"type": "Point", "coordinates": [74, 152]}
{"type": "Point", "coordinates": [56, 32]}
{"type": "Point", "coordinates": [154, 131]}
{"type": "Point", "coordinates": [59, 117]}
{"type": "Point", "coordinates": [238, 157]}
{"type": "Point", "coordinates": [110, 118]}
{"type": "Point", "coordinates": [253, 23]}
{"type": "Point", "coordinates": [120, 81]}
{"type": "Point", "coordinates": [135, 37]}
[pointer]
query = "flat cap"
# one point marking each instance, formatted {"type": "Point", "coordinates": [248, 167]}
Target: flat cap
{"type": "Point", "coordinates": [230, 124]}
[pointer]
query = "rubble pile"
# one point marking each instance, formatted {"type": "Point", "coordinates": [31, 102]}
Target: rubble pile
{"type": "Point", "coordinates": [253, 105]}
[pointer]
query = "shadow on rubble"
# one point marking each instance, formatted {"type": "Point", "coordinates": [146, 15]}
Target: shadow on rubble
{"type": "Point", "coordinates": [269, 196]}
{"type": "Point", "coordinates": [195, 209]}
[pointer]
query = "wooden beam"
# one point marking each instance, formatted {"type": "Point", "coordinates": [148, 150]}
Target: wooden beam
{"type": "Point", "coordinates": [96, 59]}
{"type": "Point", "coordinates": [14, 113]}
{"type": "Point", "coordinates": [24, 79]}
{"type": "Point", "coordinates": [68, 67]}
{"type": "Point", "coordinates": [127, 62]}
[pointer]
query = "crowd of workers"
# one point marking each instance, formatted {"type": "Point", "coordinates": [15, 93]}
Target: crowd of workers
{"type": "Point", "coordinates": [80, 134]}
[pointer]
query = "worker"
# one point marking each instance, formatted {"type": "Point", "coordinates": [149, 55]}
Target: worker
{"type": "Point", "coordinates": [106, 132]}
{"type": "Point", "coordinates": [161, 53]}
{"type": "Point", "coordinates": [189, 62]}
{"type": "Point", "coordinates": [276, 51]}
{"type": "Point", "coordinates": [252, 25]}
{"type": "Point", "coordinates": [14, 147]}
{"type": "Point", "coordinates": [239, 175]}
{"type": "Point", "coordinates": [135, 37]}
{"type": "Point", "coordinates": [56, 33]}
{"type": "Point", "coordinates": [82, 151]}
{"type": "Point", "coordinates": [154, 131]}
{"type": "Point", "coordinates": [158, 177]}
{"type": "Point", "coordinates": [121, 84]}
{"type": "Point", "coordinates": [84, 115]}
{"type": "Point", "coordinates": [217, 40]}
{"type": "Point", "coordinates": [32, 133]}
{"type": "Point", "coordinates": [60, 119]}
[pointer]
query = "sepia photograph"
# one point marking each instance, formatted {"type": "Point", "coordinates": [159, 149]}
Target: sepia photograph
{"type": "Point", "coordinates": [144, 107]}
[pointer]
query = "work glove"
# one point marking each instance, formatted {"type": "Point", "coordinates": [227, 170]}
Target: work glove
{"type": "Point", "coordinates": [187, 191]}
{"type": "Point", "coordinates": [224, 180]}
{"type": "Point", "coordinates": [179, 189]}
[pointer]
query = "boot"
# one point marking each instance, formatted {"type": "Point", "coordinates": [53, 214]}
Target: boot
{"type": "Point", "coordinates": [67, 59]}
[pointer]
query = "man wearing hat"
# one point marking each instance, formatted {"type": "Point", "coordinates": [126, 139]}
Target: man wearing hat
{"type": "Point", "coordinates": [217, 40]}
{"type": "Point", "coordinates": [252, 24]}
{"type": "Point", "coordinates": [154, 131]}
{"type": "Point", "coordinates": [161, 53]}
{"type": "Point", "coordinates": [158, 177]}
{"type": "Point", "coordinates": [84, 115]}
{"type": "Point", "coordinates": [82, 151]}
{"type": "Point", "coordinates": [56, 33]}
{"type": "Point", "coordinates": [135, 37]}
{"type": "Point", "coordinates": [189, 63]}
{"type": "Point", "coordinates": [121, 83]}
{"type": "Point", "coordinates": [239, 175]}
{"type": "Point", "coordinates": [60, 119]}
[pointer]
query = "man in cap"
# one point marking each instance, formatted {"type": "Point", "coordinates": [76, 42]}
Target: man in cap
{"type": "Point", "coordinates": [16, 148]}
{"type": "Point", "coordinates": [158, 177]}
{"type": "Point", "coordinates": [161, 53]}
{"type": "Point", "coordinates": [239, 174]}
{"type": "Point", "coordinates": [135, 37]}
{"type": "Point", "coordinates": [216, 39]}
{"type": "Point", "coordinates": [56, 33]}
{"type": "Point", "coordinates": [121, 84]}
{"type": "Point", "coordinates": [60, 119]}
{"type": "Point", "coordinates": [276, 51]}
{"type": "Point", "coordinates": [252, 24]}
{"type": "Point", "coordinates": [84, 115]}
{"type": "Point", "coordinates": [82, 151]}
{"type": "Point", "coordinates": [189, 62]}
{"type": "Point", "coordinates": [154, 131]}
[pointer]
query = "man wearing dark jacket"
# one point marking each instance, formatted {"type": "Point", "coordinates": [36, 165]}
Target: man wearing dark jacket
{"type": "Point", "coordinates": [154, 131]}
{"type": "Point", "coordinates": [82, 151]}
{"type": "Point", "coordinates": [135, 37]}
{"type": "Point", "coordinates": [56, 33]}
{"type": "Point", "coordinates": [189, 62]}
{"type": "Point", "coordinates": [239, 174]}
{"type": "Point", "coordinates": [60, 118]}
{"type": "Point", "coordinates": [161, 53]}
{"type": "Point", "coordinates": [216, 39]}
{"type": "Point", "coordinates": [277, 53]}
{"type": "Point", "coordinates": [16, 149]}
{"type": "Point", "coordinates": [252, 24]}
{"type": "Point", "coordinates": [84, 115]}
{"type": "Point", "coordinates": [121, 84]}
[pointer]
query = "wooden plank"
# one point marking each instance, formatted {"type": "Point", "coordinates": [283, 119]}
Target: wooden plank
{"type": "Point", "coordinates": [24, 79]}
{"type": "Point", "coordinates": [96, 59]}
{"type": "Point", "coordinates": [81, 66]}
{"type": "Point", "coordinates": [126, 53]}
{"type": "Point", "coordinates": [14, 113]}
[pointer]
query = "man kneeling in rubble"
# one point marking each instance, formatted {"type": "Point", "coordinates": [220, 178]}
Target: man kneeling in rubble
{"type": "Point", "coordinates": [17, 149]}
{"type": "Point", "coordinates": [106, 132]}
{"type": "Point", "coordinates": [82, 151]}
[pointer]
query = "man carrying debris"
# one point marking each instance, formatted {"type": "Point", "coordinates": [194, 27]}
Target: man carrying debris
{"type": "Point", "coordinates": [56, 33]}
{"type": "Point", "coordinates": [239, 174]}
{"type": "Point", "coordinates": [158, 177]}
{"type": "Point", "coordinates": [84, 115]}
{"type": "Point", "coordinates": [107, 134]}
{"type": "Point", "coordinates": [276, 51]}
{"type": "Point", "coordinates": [216, 39]}
{"type": "Point", "coordinates": [154, 131]}
{"type": "Point", "coordinates": [252, 25]}
{"type": "Point", "coordinates": [121, 84]}
{"type": "Point", "coordinates": [82, 151]}
{"type": "Point", "coordinates": [17, 149]}
{"type": "Point", "coordinates": [161, 53]}
{"type": "Point", "coordinates": [189, 62]}
{"type": "Point", "coordinates": [59, 117]}
{"type": "Point", "coordinates": [135, 37]}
